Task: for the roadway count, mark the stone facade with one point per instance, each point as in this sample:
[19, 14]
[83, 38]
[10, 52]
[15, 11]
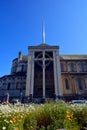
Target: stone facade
[14, 84]
[74, 75]
[44, 73]
[43, 62]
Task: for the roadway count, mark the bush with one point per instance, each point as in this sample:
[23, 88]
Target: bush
[49, 116]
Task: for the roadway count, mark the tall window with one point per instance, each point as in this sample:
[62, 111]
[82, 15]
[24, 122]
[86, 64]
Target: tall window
[80, 84]
[18, 85]
[22, 68]
[8, 87]
[23, 85]
[62, 67]
[71, 67]
[81, 67]
[67, 83]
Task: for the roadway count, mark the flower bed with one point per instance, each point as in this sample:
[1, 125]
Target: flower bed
[51, 116]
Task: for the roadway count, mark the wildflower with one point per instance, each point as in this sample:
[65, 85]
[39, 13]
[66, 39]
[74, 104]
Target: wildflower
[69, 115]
[3, 128]
[14, 120]
[67, 112]
[19, 120]
[11, 121]
[30, 112]
[31, 127]
[6, 121]
[16, 129]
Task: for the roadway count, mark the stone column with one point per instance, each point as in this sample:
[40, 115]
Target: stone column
[60, 89]
[43, 74]
[55, 74]
[28, 79]
[77, 67]
[32, 75]
[74, 84]
[86, 82]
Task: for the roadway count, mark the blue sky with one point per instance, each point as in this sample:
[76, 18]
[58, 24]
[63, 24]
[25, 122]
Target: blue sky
[21, 26]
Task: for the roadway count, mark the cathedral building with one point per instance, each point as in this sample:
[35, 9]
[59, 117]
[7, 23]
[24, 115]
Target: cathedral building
[45, 74]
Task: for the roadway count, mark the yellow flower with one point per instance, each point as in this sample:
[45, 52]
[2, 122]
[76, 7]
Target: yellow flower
[14, 120]
[67, 112]
[31, 127]
[16, 129]
[69, 115]
[19, 120]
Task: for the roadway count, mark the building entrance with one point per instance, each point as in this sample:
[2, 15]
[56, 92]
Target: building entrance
[43, 74]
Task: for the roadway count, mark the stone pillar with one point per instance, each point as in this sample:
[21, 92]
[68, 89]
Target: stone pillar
[28, 79]
[55, 74]
[77, 67]
[86, 82]
[74, 84]
[60, 89]
[43, 74]
[32, 75]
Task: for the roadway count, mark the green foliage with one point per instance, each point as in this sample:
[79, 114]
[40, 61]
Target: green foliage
[71, 124]
[29, 122]
[81, 115]
[49, 116]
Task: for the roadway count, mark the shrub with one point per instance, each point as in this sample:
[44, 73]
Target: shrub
[49, 116]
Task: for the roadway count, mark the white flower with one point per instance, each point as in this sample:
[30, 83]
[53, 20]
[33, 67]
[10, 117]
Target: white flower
[11, 121]
[3, 128]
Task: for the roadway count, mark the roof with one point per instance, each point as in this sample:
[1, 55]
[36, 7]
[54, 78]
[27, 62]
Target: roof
[73, 57]
[43, 46]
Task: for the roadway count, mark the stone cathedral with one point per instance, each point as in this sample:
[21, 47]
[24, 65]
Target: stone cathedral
[45, 74]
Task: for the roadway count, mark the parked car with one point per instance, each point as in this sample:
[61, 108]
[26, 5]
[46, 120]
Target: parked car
[78, 102]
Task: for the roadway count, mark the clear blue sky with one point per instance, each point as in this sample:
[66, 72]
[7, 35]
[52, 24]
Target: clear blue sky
[21, 26]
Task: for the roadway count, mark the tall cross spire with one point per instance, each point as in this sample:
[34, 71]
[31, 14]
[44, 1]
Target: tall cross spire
[43, 33]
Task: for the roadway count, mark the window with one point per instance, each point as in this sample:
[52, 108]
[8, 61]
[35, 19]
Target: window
[38, 54]
[80, 84]
[25, 68]
[8, 87]
[71, 67]
[22, 68]
[18, 85]
[81, 66]
[67, 83]
[23, 85]
[49, 54]
[62, 67]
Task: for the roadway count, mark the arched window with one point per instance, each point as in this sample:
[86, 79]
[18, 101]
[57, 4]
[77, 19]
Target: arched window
[8, 87]
[22, 68]
[18, 85]
[71, 67]
[67, 83]
[80, 84]
[25, 68]
[81, 66]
